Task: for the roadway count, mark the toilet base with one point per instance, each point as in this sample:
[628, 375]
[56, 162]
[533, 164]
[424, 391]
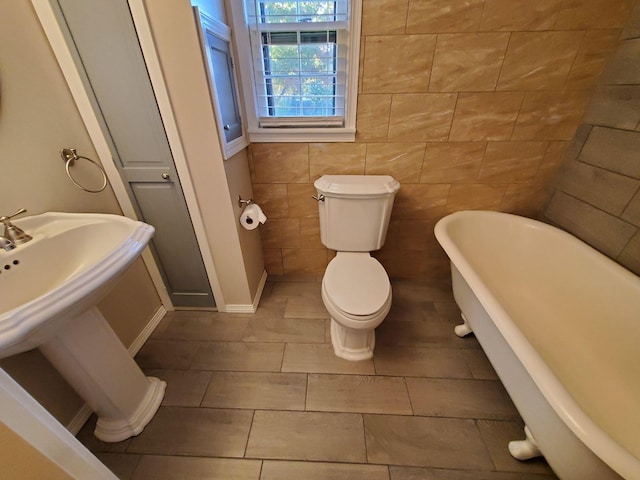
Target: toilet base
[350, 344]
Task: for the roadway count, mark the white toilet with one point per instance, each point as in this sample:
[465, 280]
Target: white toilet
[354, 216]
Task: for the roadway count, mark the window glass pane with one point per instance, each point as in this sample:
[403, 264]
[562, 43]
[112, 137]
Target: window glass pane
[278, 12]
[282, 60]
[287, 106]
[318, 59]
[300, 73]
[318, 96]
[285, 87]
[273, 11]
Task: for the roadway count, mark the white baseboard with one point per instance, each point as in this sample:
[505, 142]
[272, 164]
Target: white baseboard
[146, 332]
[246, 308]
[81, 417]
[263, 281]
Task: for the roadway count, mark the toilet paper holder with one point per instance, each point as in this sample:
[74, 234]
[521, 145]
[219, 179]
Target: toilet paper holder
[242, 202]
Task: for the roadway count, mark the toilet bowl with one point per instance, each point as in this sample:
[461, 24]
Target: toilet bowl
[357, 294]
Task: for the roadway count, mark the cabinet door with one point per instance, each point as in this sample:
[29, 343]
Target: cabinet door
[221, 71]
[215, 43]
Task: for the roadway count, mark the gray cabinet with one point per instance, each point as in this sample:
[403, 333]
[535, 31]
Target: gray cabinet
[215, 40]
[103, 37]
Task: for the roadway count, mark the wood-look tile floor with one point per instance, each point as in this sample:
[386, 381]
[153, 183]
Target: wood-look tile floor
[263, 397]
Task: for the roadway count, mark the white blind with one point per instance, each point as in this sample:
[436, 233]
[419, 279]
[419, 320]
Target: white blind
[299, 58]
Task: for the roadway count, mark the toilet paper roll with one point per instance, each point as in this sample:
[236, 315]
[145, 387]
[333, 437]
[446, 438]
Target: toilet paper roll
[252, 216]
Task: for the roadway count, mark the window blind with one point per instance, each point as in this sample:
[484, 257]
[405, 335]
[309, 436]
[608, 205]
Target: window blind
[299, 58]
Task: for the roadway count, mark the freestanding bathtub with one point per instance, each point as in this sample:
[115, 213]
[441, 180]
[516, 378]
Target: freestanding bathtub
[560, 323]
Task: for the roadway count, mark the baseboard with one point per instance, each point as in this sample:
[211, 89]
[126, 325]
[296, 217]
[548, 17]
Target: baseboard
[246, 308]
[81, 417]
[146, 332]
[263, 282]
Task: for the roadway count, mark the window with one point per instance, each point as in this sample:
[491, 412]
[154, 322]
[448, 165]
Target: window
[299, 67]
[299, 76]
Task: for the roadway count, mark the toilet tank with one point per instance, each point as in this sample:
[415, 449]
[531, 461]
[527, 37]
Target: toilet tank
[355, 210]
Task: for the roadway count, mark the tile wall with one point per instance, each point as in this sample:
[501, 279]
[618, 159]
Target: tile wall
[470, 104]
[597, 190]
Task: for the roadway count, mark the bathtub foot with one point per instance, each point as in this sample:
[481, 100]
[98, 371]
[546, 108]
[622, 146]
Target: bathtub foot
[464, 329]
[524, 449]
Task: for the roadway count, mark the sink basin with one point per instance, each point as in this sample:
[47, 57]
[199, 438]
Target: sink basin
[72, 261]
[48, 290]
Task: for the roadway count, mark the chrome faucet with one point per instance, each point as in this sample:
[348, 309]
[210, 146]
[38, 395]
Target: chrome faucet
[7, 244]
[12, 234]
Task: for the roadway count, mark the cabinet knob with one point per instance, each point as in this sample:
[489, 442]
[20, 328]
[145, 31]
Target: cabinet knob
[165, 176]
[227, 127]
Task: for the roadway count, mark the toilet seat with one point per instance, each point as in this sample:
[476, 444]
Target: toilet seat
[357, 294]
[357, 286]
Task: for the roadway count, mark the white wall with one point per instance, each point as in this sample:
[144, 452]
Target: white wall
[217, 183]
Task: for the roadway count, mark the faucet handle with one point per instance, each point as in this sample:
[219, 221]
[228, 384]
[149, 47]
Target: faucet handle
[13, 233]
[6, 219]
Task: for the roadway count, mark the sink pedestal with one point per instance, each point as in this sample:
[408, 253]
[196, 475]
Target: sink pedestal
[90, 356]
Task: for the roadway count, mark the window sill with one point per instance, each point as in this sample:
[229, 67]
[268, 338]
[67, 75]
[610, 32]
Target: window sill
[265, 135]
[234, 146]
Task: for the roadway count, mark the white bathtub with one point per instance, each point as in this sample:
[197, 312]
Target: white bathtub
[560, 323]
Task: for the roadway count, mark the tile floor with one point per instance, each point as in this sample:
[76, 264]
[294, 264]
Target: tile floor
[263, 397]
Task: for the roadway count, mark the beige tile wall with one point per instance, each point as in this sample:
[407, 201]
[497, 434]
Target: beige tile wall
[470, 104]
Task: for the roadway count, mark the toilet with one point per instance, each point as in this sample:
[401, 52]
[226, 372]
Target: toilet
[354, 216]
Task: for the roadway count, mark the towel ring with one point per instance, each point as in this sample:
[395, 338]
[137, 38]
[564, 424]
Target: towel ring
[69, 156]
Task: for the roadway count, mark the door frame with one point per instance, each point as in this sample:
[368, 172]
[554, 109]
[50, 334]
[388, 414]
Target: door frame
[55, 36]
[31, 422]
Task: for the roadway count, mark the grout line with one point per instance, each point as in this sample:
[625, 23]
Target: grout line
[306, 392]
[406, 18]
[406, 388]
[261, 467]
[135, 469]
[246, 444]
[364, 439]
[635, 194]
[206, 389]
[581, 200]
[284, 348]
[486, 446]
[583, 40]
[506, 50]
[433, 61]
[453, 115]
[515, 122]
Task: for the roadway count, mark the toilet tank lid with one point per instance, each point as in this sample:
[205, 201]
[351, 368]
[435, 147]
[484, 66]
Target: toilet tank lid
[357, 184]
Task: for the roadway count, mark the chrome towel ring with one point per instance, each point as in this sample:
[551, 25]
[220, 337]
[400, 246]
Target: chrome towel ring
[69, 156]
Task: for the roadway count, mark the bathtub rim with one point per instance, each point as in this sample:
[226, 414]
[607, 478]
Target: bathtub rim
[617, 456]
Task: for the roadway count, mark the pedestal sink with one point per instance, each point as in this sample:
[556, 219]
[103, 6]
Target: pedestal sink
[48, 291]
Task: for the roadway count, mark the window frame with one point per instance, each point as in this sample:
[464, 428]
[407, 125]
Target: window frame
[269, 75]
[257, 133]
